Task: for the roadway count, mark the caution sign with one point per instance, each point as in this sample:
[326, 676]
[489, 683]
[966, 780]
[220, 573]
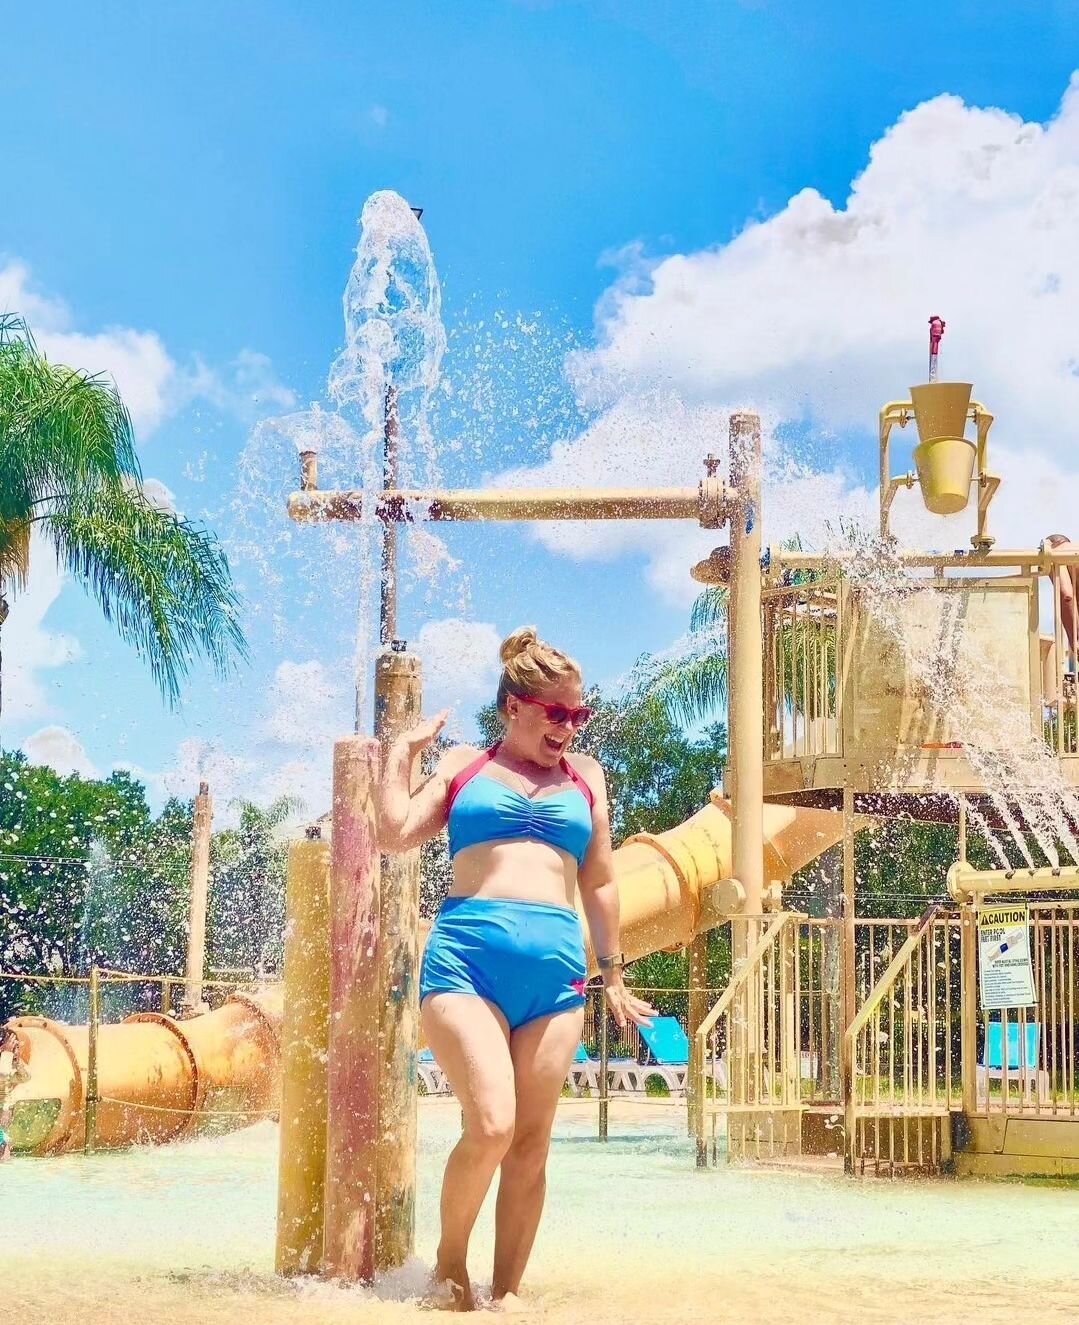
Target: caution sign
[1005, 972]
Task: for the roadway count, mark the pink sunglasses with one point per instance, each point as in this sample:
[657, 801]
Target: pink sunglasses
[558, 713]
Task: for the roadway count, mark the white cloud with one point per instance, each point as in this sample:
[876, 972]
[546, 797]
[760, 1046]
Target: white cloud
[307, 706]
[61, 750]
[258, 776]
[231, 776]
[150, 381]
[291, 753]
[137, 361]
[247, 387]
[818, 315]
[29, 646]
[460, 666]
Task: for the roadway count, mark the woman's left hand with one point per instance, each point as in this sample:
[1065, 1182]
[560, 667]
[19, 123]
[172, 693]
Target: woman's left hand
[626, 1006]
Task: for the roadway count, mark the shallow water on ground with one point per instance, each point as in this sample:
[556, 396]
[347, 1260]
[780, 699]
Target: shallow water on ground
[185, 1233]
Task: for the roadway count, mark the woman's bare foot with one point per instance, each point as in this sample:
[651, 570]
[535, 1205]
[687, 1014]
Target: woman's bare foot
[446, 1294]
[510, 1303]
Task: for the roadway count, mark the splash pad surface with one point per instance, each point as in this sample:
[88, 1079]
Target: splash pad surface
[185, 1233]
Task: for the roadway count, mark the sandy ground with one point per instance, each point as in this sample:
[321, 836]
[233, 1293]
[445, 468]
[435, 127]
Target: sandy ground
[631, 1233]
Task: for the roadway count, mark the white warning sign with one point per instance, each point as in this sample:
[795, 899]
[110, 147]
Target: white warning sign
[1005, 973]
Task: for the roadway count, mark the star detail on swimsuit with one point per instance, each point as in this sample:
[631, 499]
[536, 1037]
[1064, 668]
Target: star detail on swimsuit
[577, 986]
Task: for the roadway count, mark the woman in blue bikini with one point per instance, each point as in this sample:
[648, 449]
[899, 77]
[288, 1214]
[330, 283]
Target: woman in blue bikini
[502, 980]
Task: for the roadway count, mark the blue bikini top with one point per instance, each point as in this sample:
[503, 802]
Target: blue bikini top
[482, 809]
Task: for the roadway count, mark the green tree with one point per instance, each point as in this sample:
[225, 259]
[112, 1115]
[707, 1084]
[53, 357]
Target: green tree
[68, 469]
[246, 920]
[82, 870]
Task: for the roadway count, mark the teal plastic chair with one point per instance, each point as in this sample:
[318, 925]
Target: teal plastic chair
[994, 1056]
[668, 1056]
[1022, 1060]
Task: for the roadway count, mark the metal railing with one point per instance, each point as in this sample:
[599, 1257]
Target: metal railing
[902, 1054]
[745, 1063]
[801, 697]
[809, 630]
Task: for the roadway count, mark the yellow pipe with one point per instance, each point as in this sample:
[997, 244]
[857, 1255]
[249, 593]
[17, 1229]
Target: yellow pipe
[220, 1070]
[664, 879]
[707, 504]
[157, 1079]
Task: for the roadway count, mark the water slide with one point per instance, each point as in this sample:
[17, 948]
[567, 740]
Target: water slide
[160, 1079]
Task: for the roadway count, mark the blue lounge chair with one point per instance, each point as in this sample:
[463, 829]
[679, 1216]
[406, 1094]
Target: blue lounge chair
[584, 1071]
[432, 1076]
[668, 1056]
[1023, 1070]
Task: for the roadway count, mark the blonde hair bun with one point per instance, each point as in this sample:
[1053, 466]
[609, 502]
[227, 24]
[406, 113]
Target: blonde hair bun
[529, 665]
[520, 641]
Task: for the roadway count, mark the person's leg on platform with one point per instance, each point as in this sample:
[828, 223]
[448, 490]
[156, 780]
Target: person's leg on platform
[469, 1038]
[542, 1051]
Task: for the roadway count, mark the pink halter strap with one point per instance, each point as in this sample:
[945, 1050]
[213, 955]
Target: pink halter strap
[469, 772]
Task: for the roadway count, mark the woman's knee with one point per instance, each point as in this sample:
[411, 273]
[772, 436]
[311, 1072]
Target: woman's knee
[491, 1129]
[529, 1148]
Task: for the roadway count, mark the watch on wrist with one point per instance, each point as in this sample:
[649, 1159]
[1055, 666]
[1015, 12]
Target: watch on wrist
[613, 963]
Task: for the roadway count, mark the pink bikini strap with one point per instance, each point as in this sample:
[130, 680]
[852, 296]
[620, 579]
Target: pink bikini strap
[469, 772]
[581, 785]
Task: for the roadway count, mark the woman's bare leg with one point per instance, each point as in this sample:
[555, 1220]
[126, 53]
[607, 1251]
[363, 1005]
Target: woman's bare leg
[470, 1041]
[542, 1051]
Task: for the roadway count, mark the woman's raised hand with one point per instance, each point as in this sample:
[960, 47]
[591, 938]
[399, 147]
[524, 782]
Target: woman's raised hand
[425, 731]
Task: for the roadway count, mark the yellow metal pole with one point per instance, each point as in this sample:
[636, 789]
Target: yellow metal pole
[697, 1011]
[964, 883]
[352, 1056]
[604, 1093]
[847, 975]
[304, 1041]
[388, 613]
[397, 708]
[745, 707]
[968, 1025]
[193, 1004]
[91, 1061]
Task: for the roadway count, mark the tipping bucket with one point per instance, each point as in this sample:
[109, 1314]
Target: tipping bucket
[945, 468]
[940, 409]
[944, 459]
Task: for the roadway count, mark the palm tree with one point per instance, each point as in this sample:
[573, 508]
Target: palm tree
[68, 469]
[692, 686]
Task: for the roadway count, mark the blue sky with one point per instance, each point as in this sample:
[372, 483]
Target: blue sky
[182, 190]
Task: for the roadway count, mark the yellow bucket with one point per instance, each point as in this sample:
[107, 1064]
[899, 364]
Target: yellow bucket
[945, 468]
[940, 409]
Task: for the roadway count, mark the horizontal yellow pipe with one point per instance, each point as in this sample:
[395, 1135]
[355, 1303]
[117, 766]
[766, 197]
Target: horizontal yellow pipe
[965, 883]
[706, 504]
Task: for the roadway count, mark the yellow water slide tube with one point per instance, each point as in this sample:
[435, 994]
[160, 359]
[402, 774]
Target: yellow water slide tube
[160, 1079]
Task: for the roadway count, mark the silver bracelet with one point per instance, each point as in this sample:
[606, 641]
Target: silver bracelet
[611, 963]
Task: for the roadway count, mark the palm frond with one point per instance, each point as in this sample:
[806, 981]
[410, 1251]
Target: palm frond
[685, 690]
[14, 554]
[59, 429]
[163, 581]
[709, 611]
